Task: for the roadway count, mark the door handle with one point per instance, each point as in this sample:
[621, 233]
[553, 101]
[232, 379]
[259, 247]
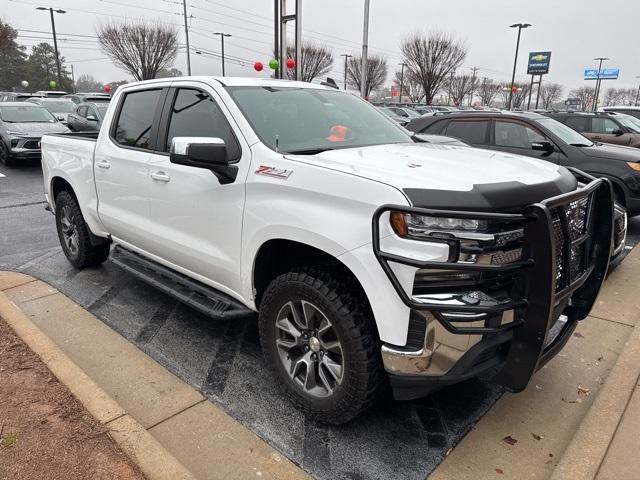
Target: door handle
[160, 176]
[103, 164]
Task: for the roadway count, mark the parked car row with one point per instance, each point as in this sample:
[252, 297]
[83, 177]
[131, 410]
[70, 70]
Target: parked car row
[25, 117]
[545, 138]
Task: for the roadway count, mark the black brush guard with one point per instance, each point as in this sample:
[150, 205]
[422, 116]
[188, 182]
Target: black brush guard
[546, 293]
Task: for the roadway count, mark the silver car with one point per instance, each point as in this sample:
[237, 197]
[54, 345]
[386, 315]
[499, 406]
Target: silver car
[58, 107]
[22, 124]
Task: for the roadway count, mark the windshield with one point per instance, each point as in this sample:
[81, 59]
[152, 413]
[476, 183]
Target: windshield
[59, 107]
[309, 120]
[566, 134]
[102, 109]
[411, 113]
[25, 114]
[630, 122]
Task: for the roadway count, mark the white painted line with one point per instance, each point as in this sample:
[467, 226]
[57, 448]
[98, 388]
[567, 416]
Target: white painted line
[1, 175]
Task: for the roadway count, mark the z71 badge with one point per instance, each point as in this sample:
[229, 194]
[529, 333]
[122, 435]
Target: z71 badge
[281, 173]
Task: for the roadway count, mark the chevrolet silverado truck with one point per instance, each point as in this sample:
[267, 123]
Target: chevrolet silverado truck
[372, 259]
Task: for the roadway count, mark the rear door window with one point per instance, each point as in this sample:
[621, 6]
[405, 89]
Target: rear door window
[579, 124]
[82, 112]
[471, 131]
[135, 121]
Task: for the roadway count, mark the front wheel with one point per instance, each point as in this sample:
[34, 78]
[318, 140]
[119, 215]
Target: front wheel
[74, 235]
[319, 341]
[5, 157]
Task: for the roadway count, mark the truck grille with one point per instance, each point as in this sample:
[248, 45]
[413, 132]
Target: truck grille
[570, 223]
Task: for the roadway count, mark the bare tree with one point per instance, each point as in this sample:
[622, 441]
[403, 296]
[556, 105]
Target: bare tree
[315, 61]
[550, 93]
[376, 72]
[432, 57]
[411, 85]
[488, 91]
[459, 87]
[519, 95]
[620, 96]
[139, 48]
[87, 83]
[585, 95]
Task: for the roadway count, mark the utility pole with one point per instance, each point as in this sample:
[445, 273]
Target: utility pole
[365, 51]
[222, 35]
[186, 36]
[402, 79]
[73, 80]
[473, 84]
[346, 58]
[519, 26]
[483, 91]
[453, 72]
[55, 39]
[598, 82]
[638, 94]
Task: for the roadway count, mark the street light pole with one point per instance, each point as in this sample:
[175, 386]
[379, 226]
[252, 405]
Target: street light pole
[598, 82]
[402, 79]
[222, 35]
[638, 94]
[365, 51]
[55, 39]
[519, 26]
[346, 58]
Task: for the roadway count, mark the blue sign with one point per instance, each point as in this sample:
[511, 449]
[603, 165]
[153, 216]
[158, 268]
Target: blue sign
[538, 63]
[605, 74]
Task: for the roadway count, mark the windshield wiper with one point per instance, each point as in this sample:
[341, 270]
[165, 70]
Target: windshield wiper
[581, 145]
[309, 151]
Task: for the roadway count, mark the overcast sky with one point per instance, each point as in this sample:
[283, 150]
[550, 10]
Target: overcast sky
[574, 30]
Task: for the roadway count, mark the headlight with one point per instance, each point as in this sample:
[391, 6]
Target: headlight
[634, 165]
[412, 225]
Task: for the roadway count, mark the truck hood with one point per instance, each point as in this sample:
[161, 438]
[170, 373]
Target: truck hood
[434, 167]
[36, 129]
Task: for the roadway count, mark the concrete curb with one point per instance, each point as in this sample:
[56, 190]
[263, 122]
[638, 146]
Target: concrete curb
[585, 454]
[143, 449]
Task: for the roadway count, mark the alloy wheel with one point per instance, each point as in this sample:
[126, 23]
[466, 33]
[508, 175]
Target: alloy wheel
[69, 230]
[309, 348]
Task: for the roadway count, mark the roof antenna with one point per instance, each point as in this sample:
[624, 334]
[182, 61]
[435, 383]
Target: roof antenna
[277, 142]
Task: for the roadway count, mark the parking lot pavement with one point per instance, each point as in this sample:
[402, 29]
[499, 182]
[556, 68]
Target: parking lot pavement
[223, 360]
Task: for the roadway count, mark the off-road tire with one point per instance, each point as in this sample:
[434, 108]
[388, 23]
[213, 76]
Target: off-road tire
[87, 254]
[5, 158]
[363, 376]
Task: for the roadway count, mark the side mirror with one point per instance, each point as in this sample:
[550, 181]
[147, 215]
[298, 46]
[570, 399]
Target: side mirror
[203, 152]
[91, 118]
[619, 132]
[542, 146]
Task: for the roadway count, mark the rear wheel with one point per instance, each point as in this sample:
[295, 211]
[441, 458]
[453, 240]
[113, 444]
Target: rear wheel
[74, 235]
[318, 339]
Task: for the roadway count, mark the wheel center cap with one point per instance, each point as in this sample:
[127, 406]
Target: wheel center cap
[314, 344]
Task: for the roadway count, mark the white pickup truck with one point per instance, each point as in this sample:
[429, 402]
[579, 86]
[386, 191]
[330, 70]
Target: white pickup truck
[371, 259]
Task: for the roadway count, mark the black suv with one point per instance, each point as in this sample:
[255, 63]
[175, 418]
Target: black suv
[542, 137]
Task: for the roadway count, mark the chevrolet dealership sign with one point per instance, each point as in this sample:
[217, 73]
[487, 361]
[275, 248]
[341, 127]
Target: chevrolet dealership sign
[539, 63]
